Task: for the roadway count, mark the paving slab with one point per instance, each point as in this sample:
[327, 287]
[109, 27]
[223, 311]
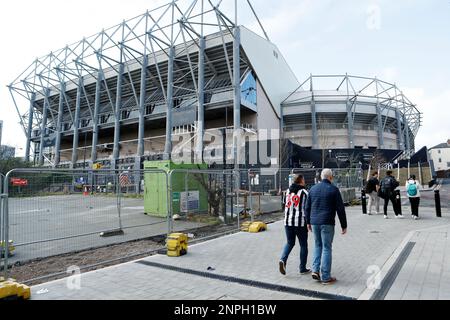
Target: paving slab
[370, 242]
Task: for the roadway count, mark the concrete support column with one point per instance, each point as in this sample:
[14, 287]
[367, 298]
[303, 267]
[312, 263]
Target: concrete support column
[59, 123]
[76, 122]
[117, 114]
[98, 88]
[140, 149]
[237, 99]
[168, 145]
[400, 140]
[315, 144]
[30, 127]
[43, 127]
[407, 137]
[380, 127]
[351, 142]
[201, 101]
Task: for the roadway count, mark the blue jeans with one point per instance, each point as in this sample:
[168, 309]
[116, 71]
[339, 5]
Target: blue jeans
[323, 237]
[302, 234]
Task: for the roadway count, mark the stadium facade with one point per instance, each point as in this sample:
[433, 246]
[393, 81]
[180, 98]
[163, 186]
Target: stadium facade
[186, 79]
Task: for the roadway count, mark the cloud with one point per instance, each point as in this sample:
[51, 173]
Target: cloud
[389, 74]
[436, 114]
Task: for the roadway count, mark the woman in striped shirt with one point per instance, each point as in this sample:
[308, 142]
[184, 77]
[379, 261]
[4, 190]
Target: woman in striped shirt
[294, 222]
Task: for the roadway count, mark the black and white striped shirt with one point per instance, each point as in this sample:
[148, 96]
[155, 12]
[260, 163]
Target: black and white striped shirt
[294, 208]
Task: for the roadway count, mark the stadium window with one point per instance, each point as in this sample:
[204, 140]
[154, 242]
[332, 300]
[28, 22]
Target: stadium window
[440, 160]
[248, 89]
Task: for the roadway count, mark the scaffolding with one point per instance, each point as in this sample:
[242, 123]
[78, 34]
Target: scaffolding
[145, 67]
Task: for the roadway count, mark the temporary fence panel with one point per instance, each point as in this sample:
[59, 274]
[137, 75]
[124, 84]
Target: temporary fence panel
[53, 212]
[204, 202]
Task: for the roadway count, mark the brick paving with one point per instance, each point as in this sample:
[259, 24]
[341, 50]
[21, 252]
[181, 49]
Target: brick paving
[370, 241]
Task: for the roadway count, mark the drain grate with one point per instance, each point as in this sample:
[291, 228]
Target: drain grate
[251, 283]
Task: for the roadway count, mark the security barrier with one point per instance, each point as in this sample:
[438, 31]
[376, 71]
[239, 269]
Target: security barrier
[52, 212]
[177, 244]
[253, 227]
[10, 289]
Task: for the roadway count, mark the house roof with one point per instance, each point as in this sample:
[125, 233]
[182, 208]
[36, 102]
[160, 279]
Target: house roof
[441, 146]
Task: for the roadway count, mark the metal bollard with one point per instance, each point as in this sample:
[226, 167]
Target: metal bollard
[437, 202]
[364, 201]
[398, 201]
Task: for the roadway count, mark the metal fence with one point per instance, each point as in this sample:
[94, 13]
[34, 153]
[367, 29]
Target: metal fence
[48, 213]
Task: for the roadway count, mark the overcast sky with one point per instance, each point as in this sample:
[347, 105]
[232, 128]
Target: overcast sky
[402, 41]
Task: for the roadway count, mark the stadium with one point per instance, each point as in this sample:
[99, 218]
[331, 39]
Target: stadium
[186, 78]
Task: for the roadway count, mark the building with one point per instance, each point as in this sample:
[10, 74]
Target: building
[1, 130]
[345, 112]
[440, 155]
[200, 87]
[6, 152]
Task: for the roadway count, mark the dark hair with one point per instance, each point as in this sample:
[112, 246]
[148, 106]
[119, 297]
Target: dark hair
[298, 179]
[375, 173]
[413, 176]
[389, 172]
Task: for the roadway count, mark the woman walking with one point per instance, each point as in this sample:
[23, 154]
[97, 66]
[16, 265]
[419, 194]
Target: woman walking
[294, 222]
[413, 192]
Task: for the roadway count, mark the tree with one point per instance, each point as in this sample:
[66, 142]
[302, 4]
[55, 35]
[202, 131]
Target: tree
[8, 164]
[215, 190]
[324, 138]
[378, 159]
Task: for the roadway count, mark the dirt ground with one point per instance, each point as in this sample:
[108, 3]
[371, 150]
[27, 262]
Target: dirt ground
[51, 268]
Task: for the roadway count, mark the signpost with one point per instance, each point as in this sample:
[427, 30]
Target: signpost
[19, 182]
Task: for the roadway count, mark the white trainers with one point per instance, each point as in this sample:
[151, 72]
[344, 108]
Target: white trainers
[416, 218]
[399, 216]
[385, 216]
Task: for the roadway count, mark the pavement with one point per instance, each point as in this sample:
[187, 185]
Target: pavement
[244, 266]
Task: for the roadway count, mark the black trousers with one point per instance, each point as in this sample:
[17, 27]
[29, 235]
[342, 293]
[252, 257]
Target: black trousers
[415, 205]
[387, 198]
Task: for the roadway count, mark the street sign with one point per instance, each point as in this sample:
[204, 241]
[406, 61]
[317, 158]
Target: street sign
[189, 201]
[19, 182]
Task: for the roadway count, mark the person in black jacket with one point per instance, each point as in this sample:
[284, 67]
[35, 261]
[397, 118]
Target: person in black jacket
[295, 225]
[387, 188]
[323, 202]
[372, 187]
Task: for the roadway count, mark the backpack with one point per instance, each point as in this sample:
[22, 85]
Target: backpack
[412, 189]
[387, 185]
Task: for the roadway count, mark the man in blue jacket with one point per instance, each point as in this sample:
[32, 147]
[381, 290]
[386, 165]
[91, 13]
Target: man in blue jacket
[323, 202]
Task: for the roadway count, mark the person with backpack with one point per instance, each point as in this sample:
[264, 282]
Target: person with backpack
[412, 191]
[295, 224]
[387, 192]
[372, 191]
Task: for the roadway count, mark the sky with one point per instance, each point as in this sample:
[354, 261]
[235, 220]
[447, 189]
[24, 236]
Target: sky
[406, 42]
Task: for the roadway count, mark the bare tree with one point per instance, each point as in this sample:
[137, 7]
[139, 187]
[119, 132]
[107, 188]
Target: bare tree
[324, 137]
[378, 159]
[215, 190]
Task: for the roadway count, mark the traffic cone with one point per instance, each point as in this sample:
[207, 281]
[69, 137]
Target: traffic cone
[85, 192]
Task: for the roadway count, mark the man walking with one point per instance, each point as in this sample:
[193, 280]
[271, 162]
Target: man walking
[323, 202]
[372, 188]
[294, 224]
[387, 192]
